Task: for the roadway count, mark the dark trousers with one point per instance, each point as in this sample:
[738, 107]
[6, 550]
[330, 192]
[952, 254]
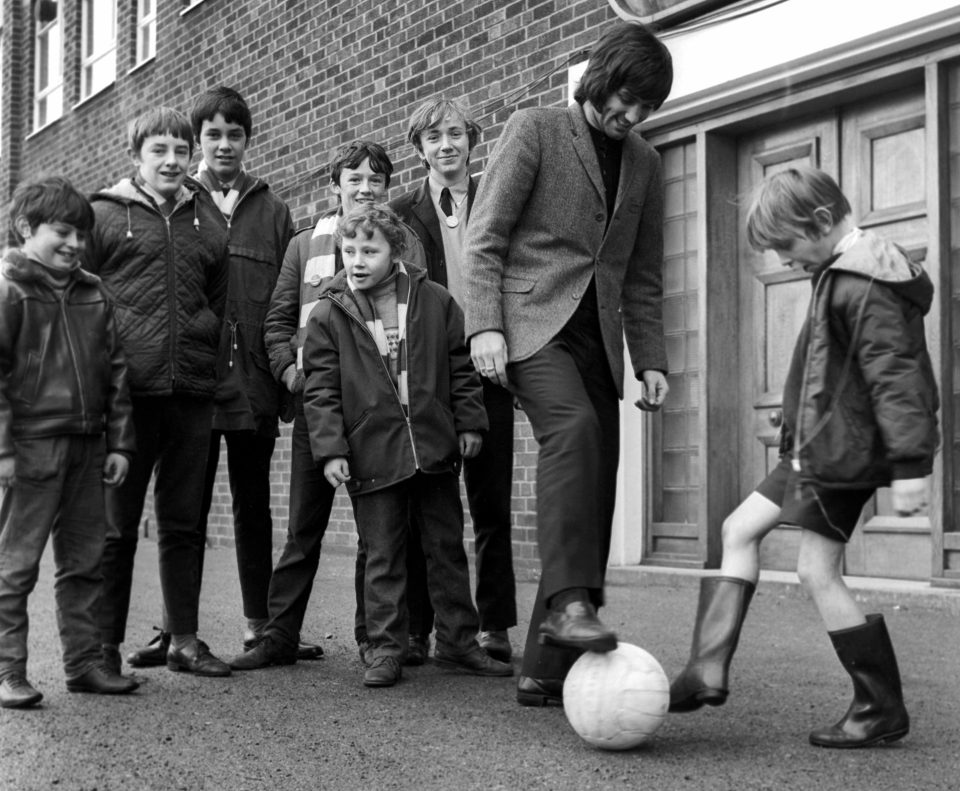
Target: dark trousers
[570, 397]
[433, 502]
[173, 439]
[489, 481]
[58, 491]
[248, 467]
[311, 499]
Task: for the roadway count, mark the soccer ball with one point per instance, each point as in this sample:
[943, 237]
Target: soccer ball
[616, 700]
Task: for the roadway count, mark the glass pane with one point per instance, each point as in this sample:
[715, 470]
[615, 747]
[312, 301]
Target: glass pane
[898, 169]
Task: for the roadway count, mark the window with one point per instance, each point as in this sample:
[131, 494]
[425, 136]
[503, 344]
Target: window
[48, 65]
[146, 30]
[99, 46]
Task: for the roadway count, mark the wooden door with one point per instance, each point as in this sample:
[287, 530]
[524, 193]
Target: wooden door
[876, 152]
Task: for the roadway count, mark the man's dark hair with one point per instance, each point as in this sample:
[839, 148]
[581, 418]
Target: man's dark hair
[225, 101]
[351, 156]
[50, 200]
[628, 58]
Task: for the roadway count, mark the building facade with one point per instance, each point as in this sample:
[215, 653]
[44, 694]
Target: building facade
[867, 91]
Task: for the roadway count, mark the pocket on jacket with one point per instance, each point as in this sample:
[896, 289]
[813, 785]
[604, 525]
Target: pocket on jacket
[516, 285]
[253, 273]
[30, 381]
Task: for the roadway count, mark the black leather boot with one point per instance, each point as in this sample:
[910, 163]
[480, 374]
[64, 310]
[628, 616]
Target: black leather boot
[720, 613]
[877, 713]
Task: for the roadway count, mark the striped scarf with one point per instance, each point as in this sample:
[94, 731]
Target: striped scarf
[384, 311]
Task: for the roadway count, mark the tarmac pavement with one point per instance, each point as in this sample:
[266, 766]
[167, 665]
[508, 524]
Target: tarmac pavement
[314, 725]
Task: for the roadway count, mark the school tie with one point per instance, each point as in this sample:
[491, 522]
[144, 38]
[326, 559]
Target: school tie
[446, 203]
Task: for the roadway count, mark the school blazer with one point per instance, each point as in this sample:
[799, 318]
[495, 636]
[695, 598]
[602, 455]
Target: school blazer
[538, 233]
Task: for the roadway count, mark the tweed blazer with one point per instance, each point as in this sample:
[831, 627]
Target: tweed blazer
[538, 233]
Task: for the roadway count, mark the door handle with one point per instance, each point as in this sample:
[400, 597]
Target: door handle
[775, 417]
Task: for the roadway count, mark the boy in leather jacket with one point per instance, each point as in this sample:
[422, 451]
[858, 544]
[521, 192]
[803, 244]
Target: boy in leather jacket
[65, 431]
[860, 412]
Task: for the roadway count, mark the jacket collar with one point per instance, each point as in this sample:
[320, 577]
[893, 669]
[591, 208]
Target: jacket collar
[16, 266]
[583, 145]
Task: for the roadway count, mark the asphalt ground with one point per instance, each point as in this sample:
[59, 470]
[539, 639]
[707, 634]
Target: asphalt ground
[314, 725]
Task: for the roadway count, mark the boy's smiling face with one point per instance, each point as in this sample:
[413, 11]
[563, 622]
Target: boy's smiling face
[55, 245]
[162, 163]
[367, 260]
[223, 144]
[360, 185]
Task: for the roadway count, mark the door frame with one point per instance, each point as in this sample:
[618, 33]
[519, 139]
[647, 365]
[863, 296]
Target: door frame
[715, 139]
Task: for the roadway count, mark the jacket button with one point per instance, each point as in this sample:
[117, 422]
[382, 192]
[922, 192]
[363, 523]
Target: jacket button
[599, 217]
[575, 297]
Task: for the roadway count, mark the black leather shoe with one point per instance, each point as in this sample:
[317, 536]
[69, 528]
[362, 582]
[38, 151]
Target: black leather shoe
[111, 658]
[266, 653]
[101, 680]
[539, 691]
[475, 661]
[384, 671]
[196, 659]
[154, 654]
[418, 649]
[305, 650]
[17, 693]
[577, 626]
[496, 644]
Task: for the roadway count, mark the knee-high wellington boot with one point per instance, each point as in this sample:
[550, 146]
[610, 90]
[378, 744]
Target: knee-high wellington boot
[877, 713]
[720, 613]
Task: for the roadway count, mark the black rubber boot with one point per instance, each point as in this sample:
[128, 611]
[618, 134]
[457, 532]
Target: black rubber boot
[877, 713]
[720, 613]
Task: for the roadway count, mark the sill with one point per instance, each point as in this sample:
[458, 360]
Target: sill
[87, 99]
[193, 4]
[141, 65]
[43, 128]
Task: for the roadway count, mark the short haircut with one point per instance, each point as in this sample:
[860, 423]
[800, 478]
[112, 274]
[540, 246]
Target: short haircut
[783, 209]
[630, 58]
[432, 112]
[367, 218]
[159, 121]
[50, 200]
[351, 156]
[225, 101]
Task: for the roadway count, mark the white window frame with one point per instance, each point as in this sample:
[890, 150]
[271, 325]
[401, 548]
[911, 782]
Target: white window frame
[98, 46]
[48, 99]
[146, 30]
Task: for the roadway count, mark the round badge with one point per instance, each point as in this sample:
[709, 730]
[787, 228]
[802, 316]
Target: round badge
[452, 221]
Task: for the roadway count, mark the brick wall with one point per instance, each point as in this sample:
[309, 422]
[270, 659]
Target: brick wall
[316, 74]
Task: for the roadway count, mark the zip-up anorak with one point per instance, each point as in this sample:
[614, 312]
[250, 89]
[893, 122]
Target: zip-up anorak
[167, 277]
[259, 228]
[860, 400]
[352, 406]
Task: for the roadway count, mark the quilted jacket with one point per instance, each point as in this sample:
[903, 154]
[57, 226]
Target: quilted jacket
[168, 279]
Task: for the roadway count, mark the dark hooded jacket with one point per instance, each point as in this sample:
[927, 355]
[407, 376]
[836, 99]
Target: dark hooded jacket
[167, 277]
[352, 406]
[259, 229]
[860, 400]
[62, 370]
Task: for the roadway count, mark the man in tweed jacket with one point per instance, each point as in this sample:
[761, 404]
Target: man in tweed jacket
[563, 258]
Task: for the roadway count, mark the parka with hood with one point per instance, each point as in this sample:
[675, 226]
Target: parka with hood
[62, 370]
[860, 400]
[352, 406]
[168, 279]
[259, 227]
